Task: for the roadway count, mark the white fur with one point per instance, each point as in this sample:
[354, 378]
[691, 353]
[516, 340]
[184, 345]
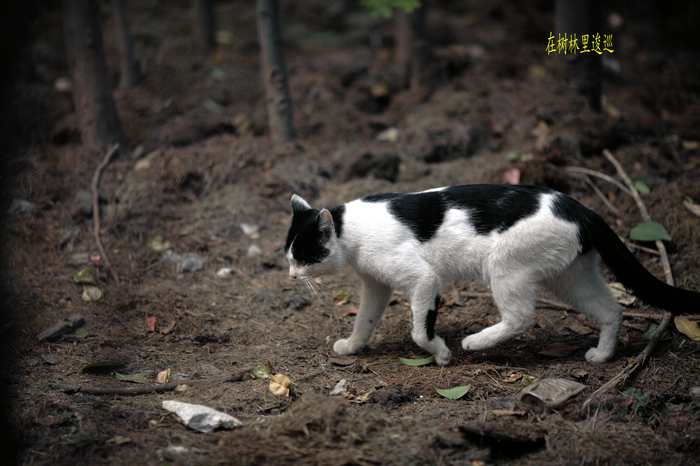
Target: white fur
[540, 249]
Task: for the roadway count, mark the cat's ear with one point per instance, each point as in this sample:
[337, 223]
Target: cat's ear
[299, 204]
[325, 225]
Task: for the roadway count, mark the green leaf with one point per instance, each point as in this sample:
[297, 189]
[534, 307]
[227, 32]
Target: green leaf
[217, 74]
[91, 293]
[641, 187]
[136, 378]
[101, 366]
[84, 276]
[454, 393]
[650, 331]
[418, 362]
[212, 106]
[263, 371]
[649, 231]
[527, 380]
[158, 243]
[82, 332]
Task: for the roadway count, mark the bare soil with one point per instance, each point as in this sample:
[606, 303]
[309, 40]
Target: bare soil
[195, 172]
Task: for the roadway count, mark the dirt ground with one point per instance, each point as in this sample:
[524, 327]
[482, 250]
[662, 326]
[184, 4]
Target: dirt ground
[199, 166]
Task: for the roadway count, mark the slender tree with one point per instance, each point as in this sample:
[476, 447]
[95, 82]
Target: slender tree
[125, 44]
[204, 23]
[94, 105]
[582, 18]
[274, 72]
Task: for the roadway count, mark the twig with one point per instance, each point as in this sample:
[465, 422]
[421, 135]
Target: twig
[642, 357]
[145, 389]
[96, 206]
[645, 213]
[602, 176]
[602, 197]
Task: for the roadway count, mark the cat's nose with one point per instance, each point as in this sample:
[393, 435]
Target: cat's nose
[293, 274]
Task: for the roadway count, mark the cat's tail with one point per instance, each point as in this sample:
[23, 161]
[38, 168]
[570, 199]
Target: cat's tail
[633, 275]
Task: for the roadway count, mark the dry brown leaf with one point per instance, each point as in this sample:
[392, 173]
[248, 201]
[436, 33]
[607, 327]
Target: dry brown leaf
[347, 311]
[280, 384]
[687, 328]
[579, 328]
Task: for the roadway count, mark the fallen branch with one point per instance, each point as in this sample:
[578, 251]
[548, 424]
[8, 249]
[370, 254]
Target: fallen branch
[146, 389]
[642, 357]
[96, 206]
[602, 197]
[602, 176]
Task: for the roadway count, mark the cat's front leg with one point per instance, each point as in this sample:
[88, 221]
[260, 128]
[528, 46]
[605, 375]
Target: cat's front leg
[424, 305]
[373, 302]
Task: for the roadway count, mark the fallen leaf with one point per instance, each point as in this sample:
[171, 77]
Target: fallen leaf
[650, 331]
[579, 373]
[280, 384]
[649, 231]
[119, 440]
[527, 380]
[213, 106]
[50, 358]
[340, 298]
[453, 393]
[217, 73]
[691, 206]
[624, 337]
[84, 276]
[263, 371]
[347, 311]
[163, 376]
[91, 293]
[342, 361]
[641, 187]
[151, 324]
[101, 366]
[549, 393]
[579, 328]
[81, 332]
[514, 377]
[688, 328]
[136, 378]
[620, 294]
[168, 328]
[690, 145]
[180, 389]
[158, 243]
[418, 362]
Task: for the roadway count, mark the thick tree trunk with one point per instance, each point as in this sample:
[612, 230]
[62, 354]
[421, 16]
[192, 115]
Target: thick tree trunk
[125, 44]
[582, 17]
[97, 114]
[204, 23]
[274, 72]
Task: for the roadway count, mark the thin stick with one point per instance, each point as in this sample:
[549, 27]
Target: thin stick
[600, 175]
[642, 357]
[645, 213]
[145, 389]
[96, 206]
[602, 197]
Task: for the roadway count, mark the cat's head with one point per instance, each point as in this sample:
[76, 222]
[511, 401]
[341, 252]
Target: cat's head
[312, 244]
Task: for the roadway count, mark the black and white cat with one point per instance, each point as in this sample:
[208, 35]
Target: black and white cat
[514, 238]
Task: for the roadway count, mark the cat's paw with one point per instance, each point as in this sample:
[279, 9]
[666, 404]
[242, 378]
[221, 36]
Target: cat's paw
[442, 358]
[596, 356]
[344, 347]
[475, 343]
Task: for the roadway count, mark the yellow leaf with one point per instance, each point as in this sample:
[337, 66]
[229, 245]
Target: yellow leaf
[688, 328]
[91, 293]
[279, 384]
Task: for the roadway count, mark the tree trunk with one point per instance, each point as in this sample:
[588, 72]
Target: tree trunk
[411, 53]
[582, 17]
[204, 23]
[125, 44]
[97, 114]
[274, 72]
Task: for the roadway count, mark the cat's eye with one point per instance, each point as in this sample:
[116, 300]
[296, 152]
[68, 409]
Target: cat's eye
[303, 263]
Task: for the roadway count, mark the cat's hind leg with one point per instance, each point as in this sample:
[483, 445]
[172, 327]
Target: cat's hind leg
[425, 299]
[373, 302]
[583, 287]
[514, 295]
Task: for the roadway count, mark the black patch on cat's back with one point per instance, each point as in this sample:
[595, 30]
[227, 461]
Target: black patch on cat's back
[337, 213]
[494, 207]
[423, 212]
[572, 211]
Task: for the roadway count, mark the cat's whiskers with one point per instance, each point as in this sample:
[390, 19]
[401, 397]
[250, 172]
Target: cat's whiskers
[313, 284]
[308, 284]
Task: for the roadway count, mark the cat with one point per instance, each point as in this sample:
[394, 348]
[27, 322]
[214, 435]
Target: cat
[514, 238]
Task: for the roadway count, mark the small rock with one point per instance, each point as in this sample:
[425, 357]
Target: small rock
[22, 208]
[249, 229]
[190, 262]
[253, 251]
[224, 272]
[201, 418]
[340, 389]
